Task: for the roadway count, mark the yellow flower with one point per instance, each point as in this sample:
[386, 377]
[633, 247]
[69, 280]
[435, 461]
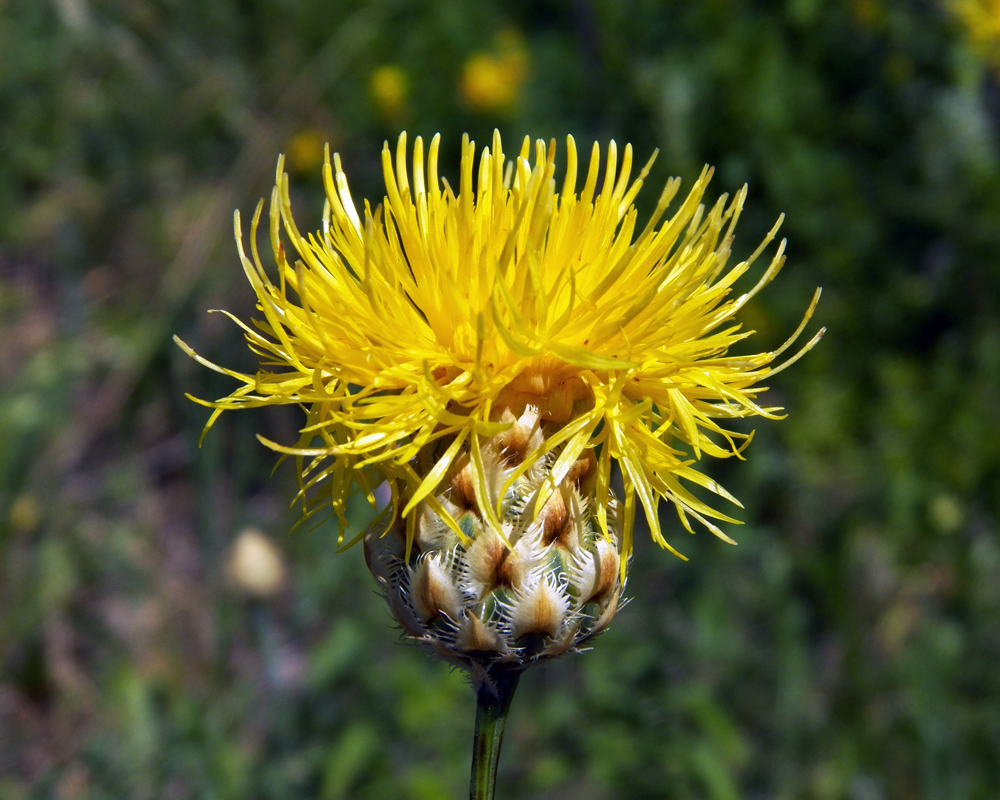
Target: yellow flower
[492, 82]
[982, 21]
[415, 333]
[869, 14]
[389, 88]
[305, 151]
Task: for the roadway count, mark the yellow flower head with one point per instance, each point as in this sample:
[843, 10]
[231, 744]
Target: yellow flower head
[305, 151]
[389, 87]
[434, 317]
[492, 82]
[982, 20]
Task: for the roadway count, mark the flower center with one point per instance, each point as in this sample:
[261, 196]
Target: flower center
[552, 387]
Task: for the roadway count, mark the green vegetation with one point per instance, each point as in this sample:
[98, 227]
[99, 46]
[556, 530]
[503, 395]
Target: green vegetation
[848, 648]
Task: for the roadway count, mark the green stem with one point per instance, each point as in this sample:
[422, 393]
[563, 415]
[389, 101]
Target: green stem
[492, 705]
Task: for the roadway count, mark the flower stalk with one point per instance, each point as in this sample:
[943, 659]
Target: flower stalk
[493, 700]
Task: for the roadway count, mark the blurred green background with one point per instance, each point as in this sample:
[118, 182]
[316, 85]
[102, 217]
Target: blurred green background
[848, 648]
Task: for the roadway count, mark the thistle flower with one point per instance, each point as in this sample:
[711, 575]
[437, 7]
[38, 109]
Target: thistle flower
[489, 354]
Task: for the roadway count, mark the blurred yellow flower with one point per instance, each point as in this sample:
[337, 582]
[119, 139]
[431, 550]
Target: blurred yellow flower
[492, 81]
[982, 23]
[305, 151]
[389, 88]
[869, 14]
[946, 512]
[413, 333]
[25, 514]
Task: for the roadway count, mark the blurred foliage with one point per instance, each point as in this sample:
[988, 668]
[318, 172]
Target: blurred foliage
[846, 649]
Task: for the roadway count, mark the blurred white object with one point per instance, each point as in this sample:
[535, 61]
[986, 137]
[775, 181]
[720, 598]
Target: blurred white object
[255, 564]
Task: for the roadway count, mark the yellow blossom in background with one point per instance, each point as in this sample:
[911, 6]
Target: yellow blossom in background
[25, 514]
[492, 82]
[982, 23]
[869, 14]
[389, 88]
[305, 151]
[415, 332]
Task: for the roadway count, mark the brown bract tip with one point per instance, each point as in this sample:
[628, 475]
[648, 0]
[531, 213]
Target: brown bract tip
[541, 611]
[608, 565]
[555, 519]
[582, 471]
[475, 636]
[463, 492]
[433, 591]
[520, 438]
[490, 562]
